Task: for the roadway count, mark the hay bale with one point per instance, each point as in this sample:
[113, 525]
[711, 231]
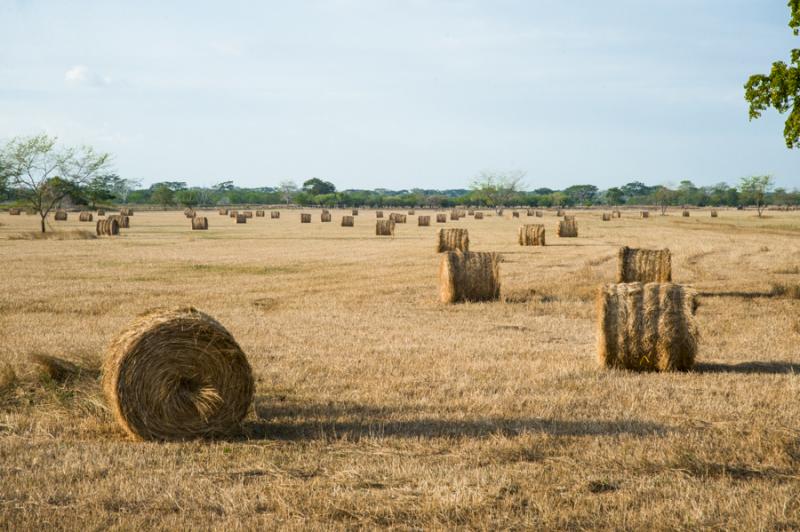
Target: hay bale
[453, 240]
[442, 218]
[378, 214]
[423, 221]
[529, 212]
[101, 212]
[241, 219]
[453, 215]
[685, 213]
[305, 218]
[559, 213]
[127, 211]
[499, 212]
[567, 228]
[515, 214]
[177, 374]
[646, 327]
[260, 213]
[469, 276]
[479, 216]
[61, 215]
[348, 221]
[274, 215]
[14, 212]
[644, 265]
[384, 227]
[233, 214]
[223, 212]
[85, 216]
[108, 226]
[616, 214]
[411, 212]
[538, 214]
[248, 214]
[470, 212]
[199, 223]
[714, 213]
[189, 213]
[645, 214]
[531, 235]
[354, 212]
[397, 218]
[606, 217]
[325, 217]
[122, 221]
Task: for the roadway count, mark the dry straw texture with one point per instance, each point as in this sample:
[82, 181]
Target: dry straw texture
[61, 216]
[223, 212]
[177, 374]
[122, 221]
[305, 218]
[442, 218]
[567, 228]
[644, 265]
[559, 212]
[108, 226]
[478, 216]
[454, 215]
[470, 212]
[378, 214]
[8, 378]
[606, 217]
[646, 327]
[233, 214]
[686, 213]
[423, 220]
[14, 212]
[199, 223]
[384, 227]
[85, 216]
[530, 212]
[531, 235]
[539, 214]
[189, 213]
[397, 218]
[54, 368]
[127, 211]
[515, 214]
[325, 217]
[616, 214]
[469, 276]
[714, 213]
[411, 212]
[354, 212]
[348, 221]
[242, 219]
[274, 215]
[260, 213]
[452, 240]
[645, 214]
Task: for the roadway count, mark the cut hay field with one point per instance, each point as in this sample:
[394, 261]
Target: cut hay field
[379, 407]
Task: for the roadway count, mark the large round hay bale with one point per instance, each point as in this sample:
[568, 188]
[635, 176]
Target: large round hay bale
[61, 215]
[442, 218]
[101, 212]
[85, 216]
[515, 214]
[241, 218]
[454, 215]
[122, 221]
[14, 211]
[378, 214]
[685, 213]
[248, 214]
[384, 227]
[177, 374]
[223, 212]
[531, 235]
[348, 221]
[126, 211]
[325, 217]
[567, 228]
[646, 327]
[452, 240]
[260, 214]
[479, 216]
[108, 226]
[274, 215]
[189, 213]
[305, 218]
[199, 223]
[644, 265]
[423, 221]
[606, 217]
[616, 214]
[538, 214]
[354, 212]
[714, 213]
[645, 214]
[469, 276]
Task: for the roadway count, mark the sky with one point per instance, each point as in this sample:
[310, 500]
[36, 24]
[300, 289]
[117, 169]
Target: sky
[401, 94]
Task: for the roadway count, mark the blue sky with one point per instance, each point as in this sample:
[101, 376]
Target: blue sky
[401, 94]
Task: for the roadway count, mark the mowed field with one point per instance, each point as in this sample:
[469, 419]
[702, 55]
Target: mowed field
[376, 406]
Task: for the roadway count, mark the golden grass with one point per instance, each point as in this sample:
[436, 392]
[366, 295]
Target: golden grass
[378, 407]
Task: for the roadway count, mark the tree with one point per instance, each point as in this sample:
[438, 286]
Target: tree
[189, 198]
[287, 189]
[581, 194]
[121, 188]
[497, 188]
[44, 174]
[780, 89]
[315, 187]
[100, 188]
[664, 198]
[224, 186]
[754, 190]
[163, 195]
[614, 196]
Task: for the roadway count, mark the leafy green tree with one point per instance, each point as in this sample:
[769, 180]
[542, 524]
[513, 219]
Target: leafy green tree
[287, 190]
[497, 188]
[614, 196]
[664, 197]
[163, 195]
[100, 188]
[634, 191]
[780, 89]
[581, 194]
[754, 190]
[121, 188]
[44, 174]
[224, 186]
[315, 187]
[189, 198]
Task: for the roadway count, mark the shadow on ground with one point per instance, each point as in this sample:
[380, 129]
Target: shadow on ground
[768, 367]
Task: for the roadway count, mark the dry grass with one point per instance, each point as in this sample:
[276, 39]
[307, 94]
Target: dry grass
[378, 407]
[70, 234]
[644, 265]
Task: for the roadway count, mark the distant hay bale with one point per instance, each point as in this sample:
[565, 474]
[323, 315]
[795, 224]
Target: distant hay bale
[470, 212]
[177, 374]
[223, 212]
[305, 218]
[538, 214]
[378, 214]
[644, 265]
[714, 213]
[606, 217]
[85, 216]
[122, 221]
[199, 223]
[384, 227]
[189, 213]
[685, 213]
[348, 221]
[499, 212]
[260, 213]
[101, 212]
[233, 214]
[569, 217]
[354, 212]
[274, 215]
[241, 219]
[645, 214]
[616, 214]
[61, 215]
[108, 226]
[411, 212]
[529, 212]
[559, 213]
[452, 240]
[646, 327]
[478, 216]
[248, 214]
[325, 217]
[14, 211]
[453, 215]
[423, 221]
[325, 211]
[127, 211]
[567, 228]
[442, 218]
[469, 276]
[397, 218]
[54, 368]
[531, 235]
[515, 214]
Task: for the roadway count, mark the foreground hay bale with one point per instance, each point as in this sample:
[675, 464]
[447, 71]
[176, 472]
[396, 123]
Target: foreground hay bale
[123, 221]
[384, 227]
[685, 213]
[646, 327]
[223, 212]
[378, 214]
[423, 221]
[274, 215]
[714, 213]
[108, 226]
[189, 213]
[567, 228]
[348, 221]
[61, 215]
[645, 214]
[241, 219]
[14, 212]
[325, 217]
[177, 374]
[531, 235]
[606, 217]
[453, 240]
[644, 265]
[478, 216]
[305, 218]
[442, 218]
[85, 216]
[469, 276]
[199, 223]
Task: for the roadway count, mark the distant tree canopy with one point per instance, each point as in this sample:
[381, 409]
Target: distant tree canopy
[316, 187]
[780, 89]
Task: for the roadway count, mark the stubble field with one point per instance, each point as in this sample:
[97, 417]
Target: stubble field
[377, 406]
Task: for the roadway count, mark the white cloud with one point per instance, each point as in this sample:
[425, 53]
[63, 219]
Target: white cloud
[82, 75]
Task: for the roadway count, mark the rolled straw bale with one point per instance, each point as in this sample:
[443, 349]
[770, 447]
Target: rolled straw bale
[189, 213]
[646, 327]
[538, 214]
[714, 213]
[274, 215]
[685, 213]
[260, 213]
[529, 212]
[442, 218]
[398, 218]
[325, 211]
[127, 211]
[223, 212]
[531, 235]
[567, 228]
[453, 215]
[61, 215]
[101, 212]
[452, 240]
[325, 217]
[559, 212]
[469, 276]
[606, 217]
[411, 212]
[348, 221]
[233, 214]
[248, 214]
[14, 212]
[177, 374]
[423, 221]
[616, 214]
[122, 221]
[644, 265]
[85, 216]
[514, 214]
[305, 218]
[384, 227]
[378, 214]
[470, 212]
[479, 216]
[199, 223]
[241, 219]
[108, 226]
[354, 212]
[645, 214]
[499, 212]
